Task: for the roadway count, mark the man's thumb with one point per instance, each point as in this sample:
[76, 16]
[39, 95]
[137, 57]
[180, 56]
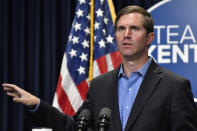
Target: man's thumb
[17, 100]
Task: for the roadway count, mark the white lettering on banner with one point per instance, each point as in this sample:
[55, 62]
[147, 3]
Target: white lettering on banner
[183, 55]
[158, 29]
[195, 52]
[170, 53]
[171, 31]
[189, 30]
[164, 52]
[174, 43]
[170, 34]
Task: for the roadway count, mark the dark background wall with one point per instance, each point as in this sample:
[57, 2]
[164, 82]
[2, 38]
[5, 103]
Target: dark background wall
[33, 35]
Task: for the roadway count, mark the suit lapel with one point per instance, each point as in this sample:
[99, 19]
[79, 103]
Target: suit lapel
[113, 90]
[149, 83]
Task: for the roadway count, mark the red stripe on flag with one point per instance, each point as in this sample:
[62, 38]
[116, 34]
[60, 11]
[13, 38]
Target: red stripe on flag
[102, 64]
[63, 100]
[116, 58]
[83, 89]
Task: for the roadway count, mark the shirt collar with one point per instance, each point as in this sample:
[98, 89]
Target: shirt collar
[142, 70]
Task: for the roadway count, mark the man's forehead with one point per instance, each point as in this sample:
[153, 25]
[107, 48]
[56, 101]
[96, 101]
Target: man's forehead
[133, 18]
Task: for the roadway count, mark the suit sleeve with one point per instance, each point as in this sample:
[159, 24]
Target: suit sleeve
[48, 116]
[183, 110]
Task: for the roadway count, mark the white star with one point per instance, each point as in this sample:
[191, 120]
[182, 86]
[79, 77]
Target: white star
[77, 26]
[109, 39]
[81, 70]
[87, 30]
[102, 43]
[96, 25]
[75, 40]
[85, 44]
[79, 13]
[73, 53]
[82, 1]
[83, 57]
[106, 20]
[99, 12]
[88, 17]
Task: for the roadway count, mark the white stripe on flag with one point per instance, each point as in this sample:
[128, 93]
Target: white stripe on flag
[69, 87]
[96, 70]
[55, 102]
[109, 62]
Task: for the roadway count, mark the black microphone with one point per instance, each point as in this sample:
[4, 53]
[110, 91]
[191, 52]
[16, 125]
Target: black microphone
[82, 122]
[104, 118]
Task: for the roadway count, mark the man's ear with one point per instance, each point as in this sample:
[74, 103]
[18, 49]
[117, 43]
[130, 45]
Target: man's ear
[150, 38]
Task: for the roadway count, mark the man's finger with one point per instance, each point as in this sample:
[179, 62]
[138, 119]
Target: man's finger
[12, 94]
[8, 85]
[13, 87]
[8, 89]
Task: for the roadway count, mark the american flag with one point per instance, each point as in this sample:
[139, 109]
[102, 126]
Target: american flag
[73, 81]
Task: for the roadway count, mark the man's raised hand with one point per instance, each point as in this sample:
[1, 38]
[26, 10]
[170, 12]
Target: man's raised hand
[21, 96]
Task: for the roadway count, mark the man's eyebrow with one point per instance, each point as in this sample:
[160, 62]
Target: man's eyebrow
[120, 26]
[135, 26]
[131, 26]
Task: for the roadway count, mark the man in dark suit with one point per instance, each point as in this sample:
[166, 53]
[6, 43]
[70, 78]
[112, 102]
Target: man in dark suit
[142, 95]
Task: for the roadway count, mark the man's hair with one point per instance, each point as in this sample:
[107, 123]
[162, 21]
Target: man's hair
[148, 23]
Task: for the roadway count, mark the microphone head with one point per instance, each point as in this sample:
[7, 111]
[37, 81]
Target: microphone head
[104, 117]
[105, 111]
[85, 113]
[82, 122]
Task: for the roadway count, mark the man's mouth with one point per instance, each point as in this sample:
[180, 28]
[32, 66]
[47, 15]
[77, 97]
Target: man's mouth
[127, 43]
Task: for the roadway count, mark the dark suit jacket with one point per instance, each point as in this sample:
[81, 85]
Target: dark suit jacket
[164, 103]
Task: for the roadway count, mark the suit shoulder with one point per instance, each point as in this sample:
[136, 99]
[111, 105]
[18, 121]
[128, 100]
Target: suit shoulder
[172, 75]
[105, 76]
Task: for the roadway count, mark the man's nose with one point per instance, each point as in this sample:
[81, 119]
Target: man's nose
[127, 33]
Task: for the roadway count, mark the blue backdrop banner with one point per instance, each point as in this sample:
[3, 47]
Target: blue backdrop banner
[175, 46]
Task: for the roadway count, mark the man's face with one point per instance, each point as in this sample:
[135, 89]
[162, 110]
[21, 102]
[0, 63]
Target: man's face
[131, 36]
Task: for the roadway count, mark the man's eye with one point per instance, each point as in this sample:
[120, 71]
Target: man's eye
[135, 28]
[120, 29]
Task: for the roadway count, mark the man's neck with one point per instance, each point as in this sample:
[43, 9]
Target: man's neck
[133, 65]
